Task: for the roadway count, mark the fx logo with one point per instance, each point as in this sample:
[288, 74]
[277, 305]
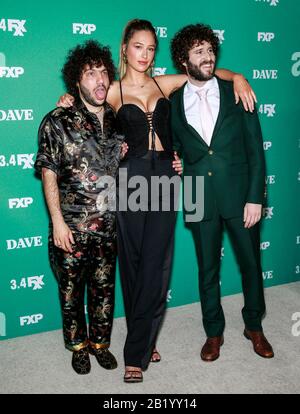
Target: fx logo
[161, 31]
[265, 36]
[220, 34]
[31, 319]
[20, 202]
[159, 71]
[13, 25]
[36, 282]
[296, 325]
[169, 297]
[11, 72]
[268, 109]
[268, 212]
[267, 145]
[296, 66]
[2, 324]
[222, 252]
[26, 160]
[84, 28]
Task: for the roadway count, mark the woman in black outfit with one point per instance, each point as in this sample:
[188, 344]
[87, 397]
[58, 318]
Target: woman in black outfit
[145, 238]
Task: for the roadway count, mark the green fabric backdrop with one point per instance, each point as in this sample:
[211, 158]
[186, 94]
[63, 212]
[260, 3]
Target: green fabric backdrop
[260, 38]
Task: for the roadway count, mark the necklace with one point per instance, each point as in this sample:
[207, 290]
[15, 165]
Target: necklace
[100, 110]
[136, 85]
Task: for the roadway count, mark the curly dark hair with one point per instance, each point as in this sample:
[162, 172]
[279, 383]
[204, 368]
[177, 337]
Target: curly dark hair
[90, 53]
[189, 37]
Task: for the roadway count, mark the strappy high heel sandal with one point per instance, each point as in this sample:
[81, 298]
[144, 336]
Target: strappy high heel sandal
[155, 357]
[131, 375]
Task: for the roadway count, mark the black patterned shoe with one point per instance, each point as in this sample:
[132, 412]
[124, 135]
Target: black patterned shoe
[104, 357]
[81, 361]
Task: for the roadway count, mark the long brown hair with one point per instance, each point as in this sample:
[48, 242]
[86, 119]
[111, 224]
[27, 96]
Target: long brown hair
[131, 28]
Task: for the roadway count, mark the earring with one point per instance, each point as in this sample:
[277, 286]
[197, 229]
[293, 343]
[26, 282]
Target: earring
[125, 58]
[152, 68]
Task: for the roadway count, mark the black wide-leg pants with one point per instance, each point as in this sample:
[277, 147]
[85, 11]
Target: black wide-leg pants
[145, 250]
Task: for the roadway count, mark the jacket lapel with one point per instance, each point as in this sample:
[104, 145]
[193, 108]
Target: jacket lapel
[224, 103]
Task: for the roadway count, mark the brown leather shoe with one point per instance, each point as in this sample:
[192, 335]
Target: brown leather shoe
[260, 344]
[211, 348]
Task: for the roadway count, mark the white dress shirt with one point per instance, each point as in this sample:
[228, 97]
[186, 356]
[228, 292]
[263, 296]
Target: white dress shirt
[192, 103]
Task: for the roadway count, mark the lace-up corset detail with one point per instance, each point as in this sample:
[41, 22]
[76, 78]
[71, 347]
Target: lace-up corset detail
[136, 125]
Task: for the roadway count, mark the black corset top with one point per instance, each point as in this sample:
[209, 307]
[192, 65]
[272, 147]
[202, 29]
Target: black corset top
[136, 124]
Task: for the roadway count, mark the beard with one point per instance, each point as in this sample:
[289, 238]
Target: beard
[196, 72]
[87, 96]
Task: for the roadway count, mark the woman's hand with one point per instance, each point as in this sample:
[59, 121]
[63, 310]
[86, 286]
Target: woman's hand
[66, 101]
[124, 149]
[243, 91]
[177, 164]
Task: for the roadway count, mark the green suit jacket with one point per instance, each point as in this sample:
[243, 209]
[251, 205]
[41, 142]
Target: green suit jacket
[233, 166]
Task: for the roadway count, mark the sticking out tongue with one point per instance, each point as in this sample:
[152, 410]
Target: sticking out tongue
[100, 93]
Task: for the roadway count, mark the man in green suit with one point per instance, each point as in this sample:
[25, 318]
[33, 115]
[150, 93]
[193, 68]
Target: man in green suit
[221, 142]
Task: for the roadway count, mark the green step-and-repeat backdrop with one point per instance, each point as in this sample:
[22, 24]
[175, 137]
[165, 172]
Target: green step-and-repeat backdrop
[259, 38]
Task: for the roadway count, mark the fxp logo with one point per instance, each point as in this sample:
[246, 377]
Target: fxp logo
[83, 28]
[265, 36]
[9, 71]
[23, 202]
[31, 319]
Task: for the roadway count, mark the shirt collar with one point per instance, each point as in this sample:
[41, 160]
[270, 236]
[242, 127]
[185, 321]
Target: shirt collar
[211, 84]
[79, 105]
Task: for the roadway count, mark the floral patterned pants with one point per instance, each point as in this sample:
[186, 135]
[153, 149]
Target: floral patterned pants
[91, 265]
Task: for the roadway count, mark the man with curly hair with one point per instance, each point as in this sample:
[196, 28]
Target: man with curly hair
[78, 157]
[222, 143]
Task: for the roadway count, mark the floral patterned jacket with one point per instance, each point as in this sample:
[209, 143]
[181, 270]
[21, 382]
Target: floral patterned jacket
[86, 160]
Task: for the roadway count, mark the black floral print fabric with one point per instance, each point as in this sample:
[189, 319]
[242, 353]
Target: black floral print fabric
[92, 263]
